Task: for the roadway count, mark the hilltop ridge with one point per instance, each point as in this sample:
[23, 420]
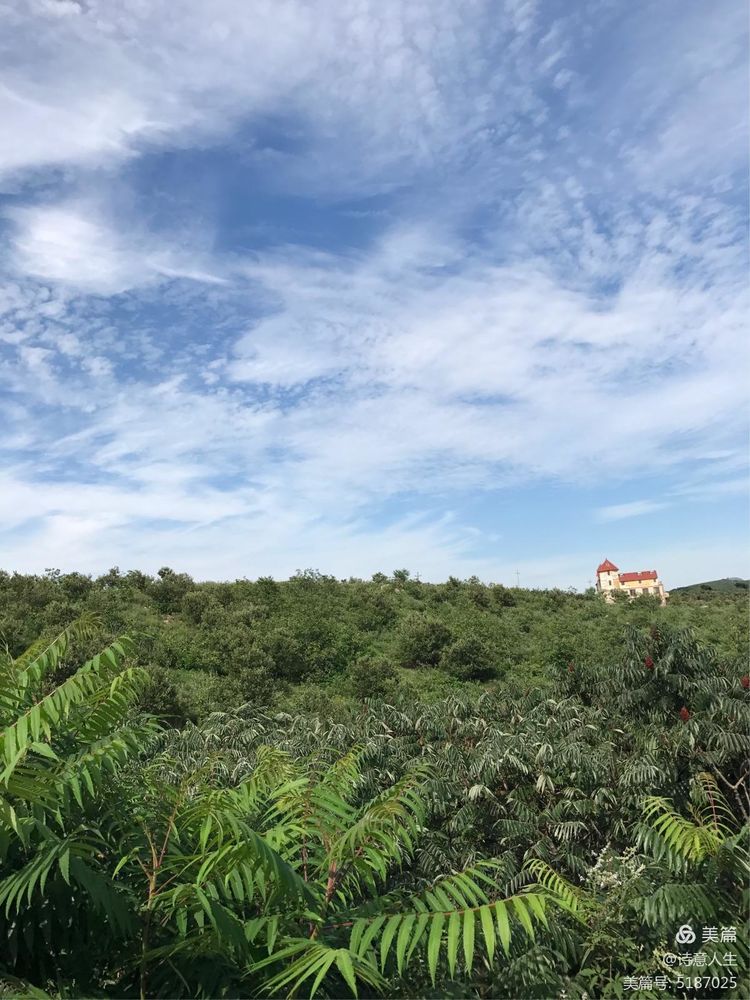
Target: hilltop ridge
[727, 584]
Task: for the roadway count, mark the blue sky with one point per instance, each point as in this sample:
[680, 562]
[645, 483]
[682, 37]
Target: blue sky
[353, 285]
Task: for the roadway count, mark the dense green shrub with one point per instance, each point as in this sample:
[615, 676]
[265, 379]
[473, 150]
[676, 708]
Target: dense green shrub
[373, 677]
[372, 610]
[421, 640]
[169, 589]
[287, 654]
[502, 596]
[470, 659]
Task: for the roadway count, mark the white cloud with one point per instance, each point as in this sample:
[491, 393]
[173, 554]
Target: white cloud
[102, 525]
[376, 92]
[69, 245]
[635, 508]
[73, 244]
[103, 85]
[409, 373]
[493, 370]
[715, 487]
[687, 104]
[276, 538]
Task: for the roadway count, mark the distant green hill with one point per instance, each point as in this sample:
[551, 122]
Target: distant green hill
[730, 584]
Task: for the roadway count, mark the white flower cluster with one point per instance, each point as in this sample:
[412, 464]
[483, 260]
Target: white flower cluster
[613, 870]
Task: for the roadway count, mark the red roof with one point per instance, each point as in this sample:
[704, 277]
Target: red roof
[647, 574]
[606, 567]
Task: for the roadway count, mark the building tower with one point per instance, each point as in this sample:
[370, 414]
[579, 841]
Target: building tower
[607, 579]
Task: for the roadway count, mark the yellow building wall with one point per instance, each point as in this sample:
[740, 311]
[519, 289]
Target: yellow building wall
[609, 583]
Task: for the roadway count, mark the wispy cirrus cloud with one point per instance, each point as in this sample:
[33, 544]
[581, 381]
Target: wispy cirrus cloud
[635, 508]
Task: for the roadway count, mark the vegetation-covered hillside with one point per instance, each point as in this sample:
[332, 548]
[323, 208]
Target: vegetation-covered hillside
[386, 788]
[316, 643]
[727, 585]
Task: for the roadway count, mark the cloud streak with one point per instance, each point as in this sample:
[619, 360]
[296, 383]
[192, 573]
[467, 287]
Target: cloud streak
[636, 508]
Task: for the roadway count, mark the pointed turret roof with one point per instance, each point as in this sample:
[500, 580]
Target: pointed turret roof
[607, 567]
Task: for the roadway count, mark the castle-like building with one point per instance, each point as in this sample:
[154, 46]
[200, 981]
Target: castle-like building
[610, 581]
